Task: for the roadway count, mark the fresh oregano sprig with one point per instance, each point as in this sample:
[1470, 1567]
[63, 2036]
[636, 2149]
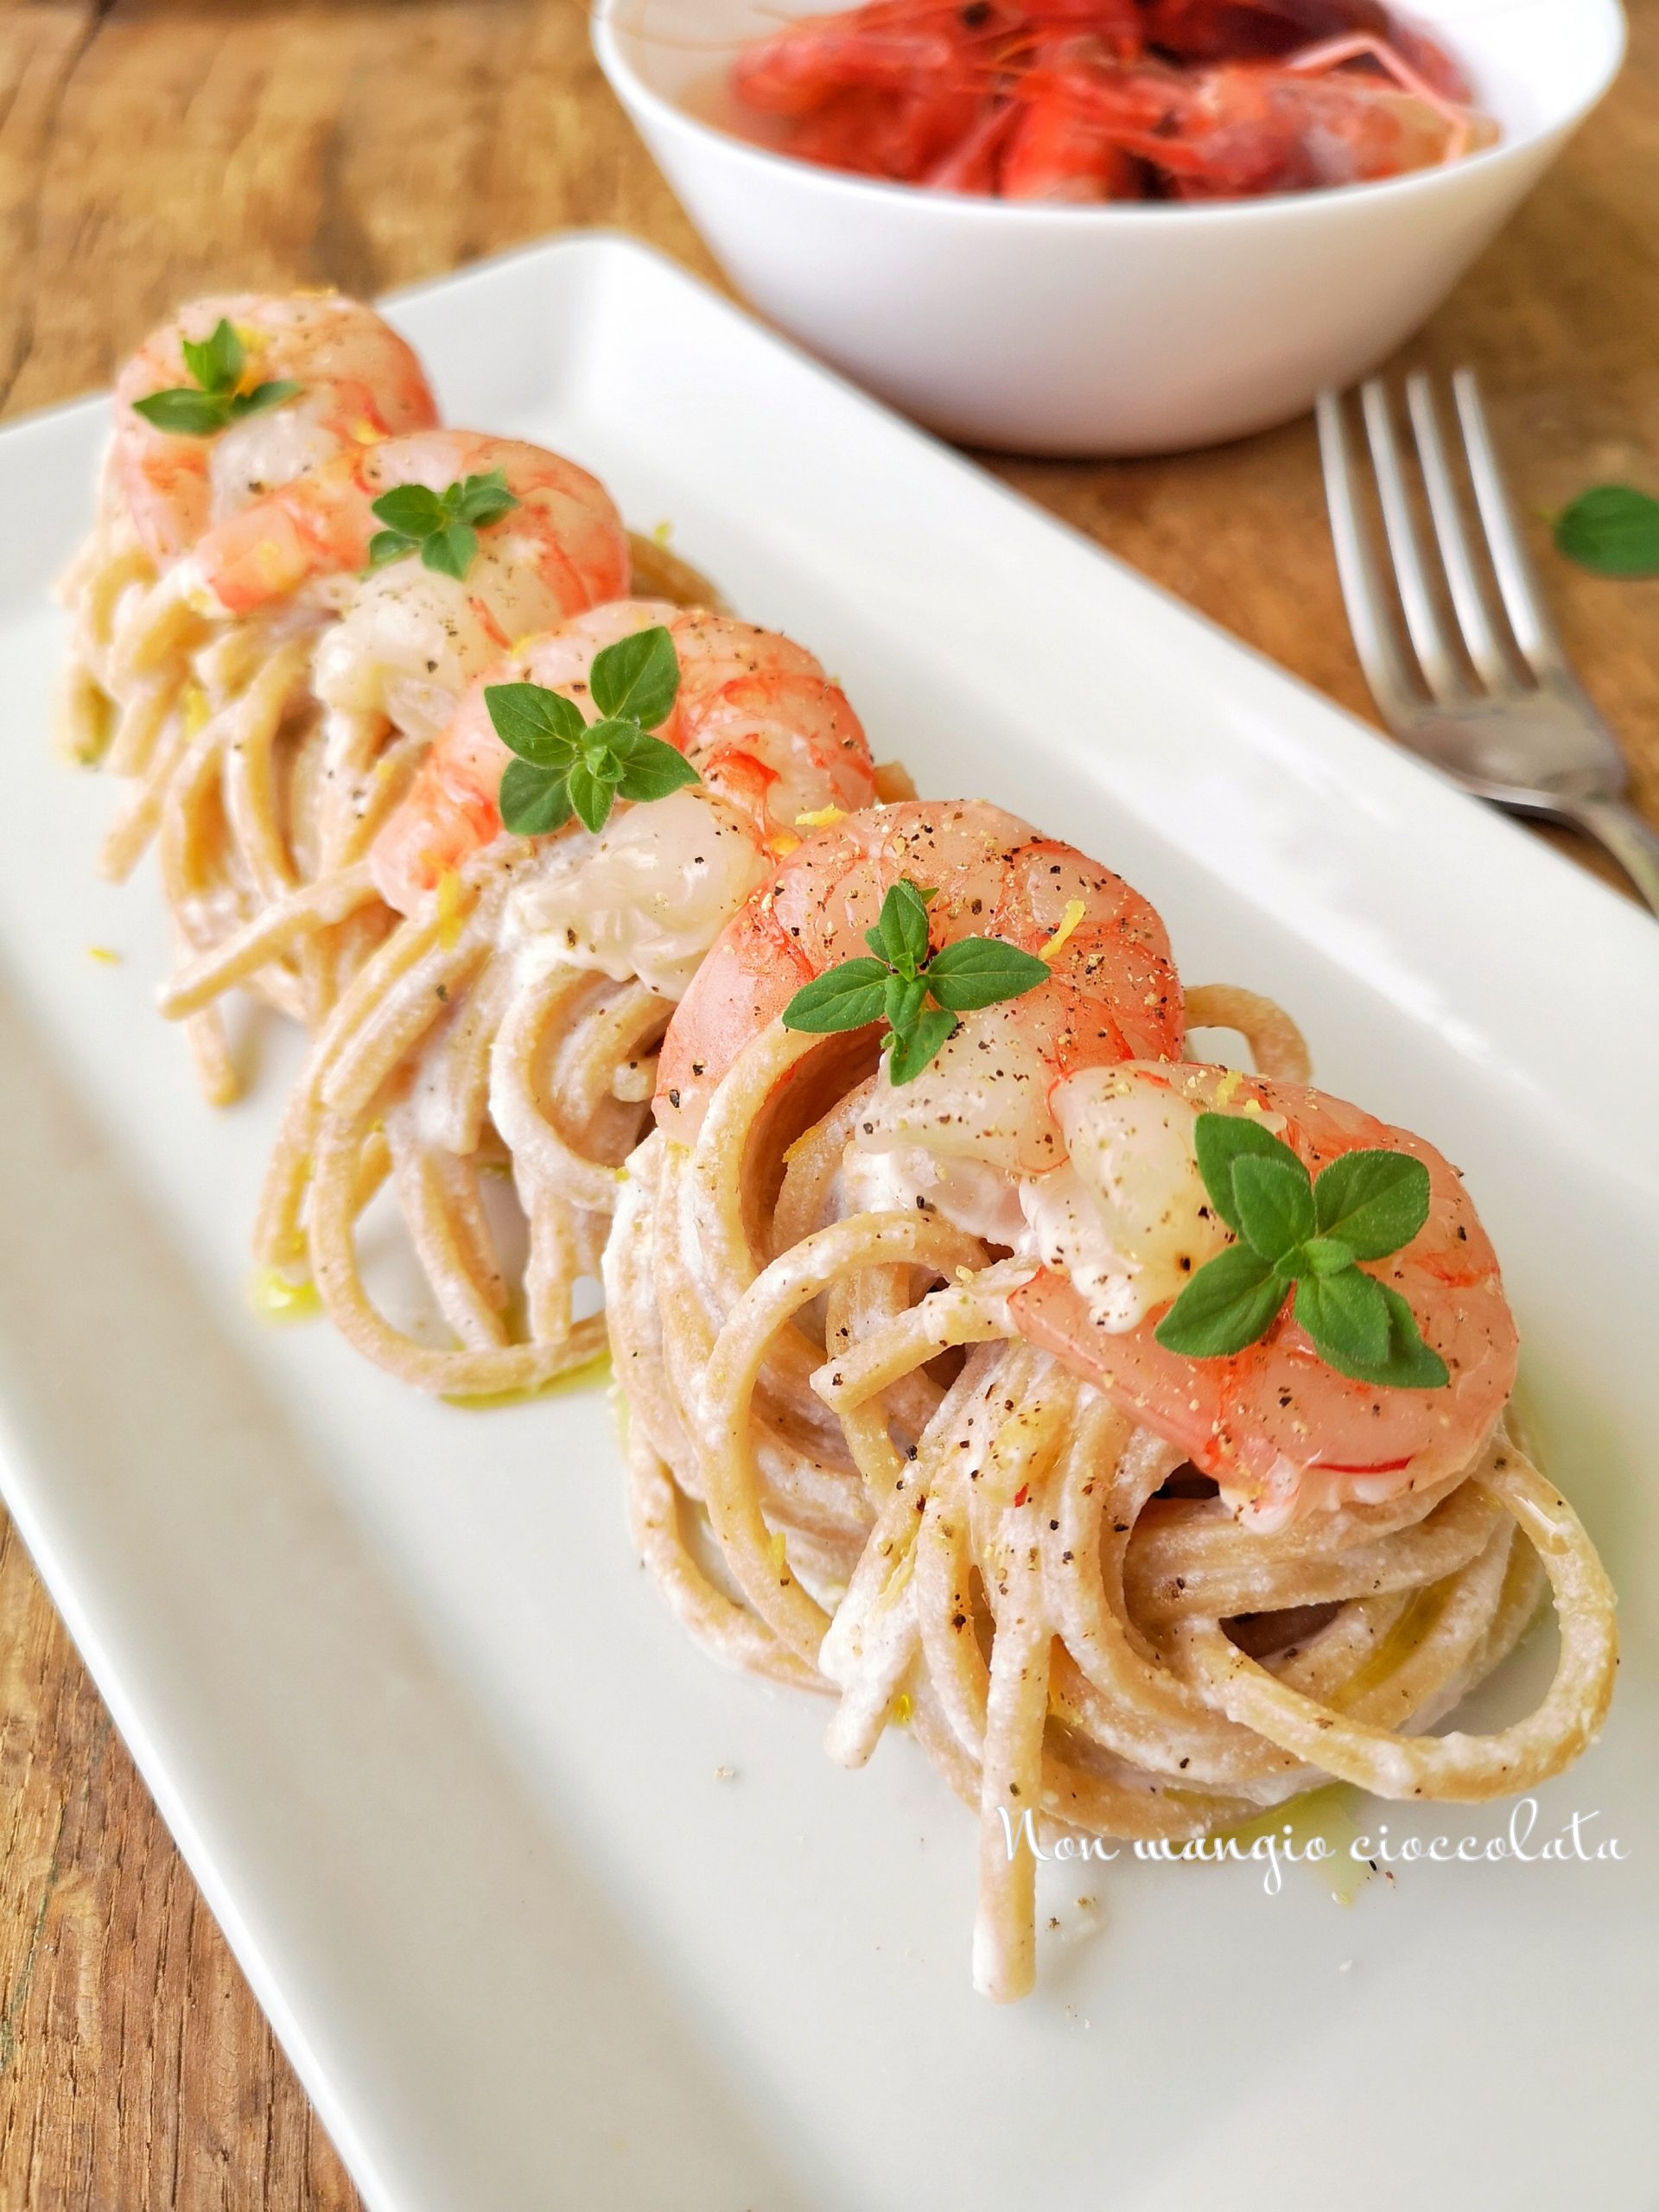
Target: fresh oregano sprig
[1305, 1235]
[216, 399]
[441, 527]
[920, 996]
[567, 765]
[1611, 529]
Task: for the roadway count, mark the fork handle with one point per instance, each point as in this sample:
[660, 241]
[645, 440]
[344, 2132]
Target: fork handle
[1622, 832]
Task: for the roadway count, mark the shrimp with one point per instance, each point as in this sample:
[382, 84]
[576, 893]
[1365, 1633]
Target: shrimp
[1114, 994]
[398, 645]
[1242, 128]
[1124, 1222]
[1061, 101]
[892, 46]
[1056, 154]
[771, 736]
[359, 383]
[1240, 30]
[561, 549]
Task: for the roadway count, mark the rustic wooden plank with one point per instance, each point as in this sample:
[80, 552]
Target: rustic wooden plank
[148, 151]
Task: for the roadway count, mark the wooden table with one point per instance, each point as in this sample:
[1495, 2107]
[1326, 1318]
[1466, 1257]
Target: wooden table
[148, 152]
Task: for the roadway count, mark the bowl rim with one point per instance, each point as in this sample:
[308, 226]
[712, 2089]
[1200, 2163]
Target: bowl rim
[608, 33]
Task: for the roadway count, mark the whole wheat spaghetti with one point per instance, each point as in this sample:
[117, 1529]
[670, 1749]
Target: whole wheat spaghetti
[880, 1445]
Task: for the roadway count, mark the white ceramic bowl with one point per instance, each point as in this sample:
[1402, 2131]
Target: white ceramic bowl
[1101, 330]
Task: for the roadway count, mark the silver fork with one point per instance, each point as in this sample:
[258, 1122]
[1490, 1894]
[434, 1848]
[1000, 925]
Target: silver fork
[1510, 721]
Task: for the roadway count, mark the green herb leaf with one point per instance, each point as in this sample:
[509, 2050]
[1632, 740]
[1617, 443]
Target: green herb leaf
[900, 934]
[649, 768]
[388, 545]
[1275, 1199]
[263, 396]
[1347, 1317]
[537, 724]
[896, 985]
[444, 524]
[184, 413]
[978, 971]
[216, 362]
[591, 796]
[1219, 1140]
[415, 509]
[909, 1054]
[1325, 1256]
[1408, 1364]
[905, 997]
[534, 801]
[1365, 1205]
[451, 550]
[638, 678]
[846, 997]
[480, 499]
[1375, 1201]
[1612, 529]
[1229, 1303]
[203, 410]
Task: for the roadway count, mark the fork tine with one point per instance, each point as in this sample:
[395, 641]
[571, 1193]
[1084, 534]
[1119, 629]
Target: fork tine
[1378, 648]
[1445, 509]
[1517, 586]
[1442, 675]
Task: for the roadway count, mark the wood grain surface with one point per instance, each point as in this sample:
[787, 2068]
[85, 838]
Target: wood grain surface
[150, 151]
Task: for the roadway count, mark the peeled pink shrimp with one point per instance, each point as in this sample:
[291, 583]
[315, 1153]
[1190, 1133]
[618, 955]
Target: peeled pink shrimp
[1281, 1432]
[771, 736]
[401, 643]
[361, 383]
[565, 533]
[1114, 995]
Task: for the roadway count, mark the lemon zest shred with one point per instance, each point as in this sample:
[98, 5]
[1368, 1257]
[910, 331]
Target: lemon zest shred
[662, 532]
[899, 1711]
[1074, 911]
[895, 1587]
[783, 844]
[449, 909]
[272, 564]
[196, 709]
[822, 817]
[779, 1556]
[278, 1298]
[1228, 1086]
[367, 433]
[105, 954]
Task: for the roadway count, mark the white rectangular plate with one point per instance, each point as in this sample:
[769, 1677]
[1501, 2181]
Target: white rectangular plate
[443, 1765]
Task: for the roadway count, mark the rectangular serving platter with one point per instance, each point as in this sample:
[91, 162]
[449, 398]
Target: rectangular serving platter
[449, 1775]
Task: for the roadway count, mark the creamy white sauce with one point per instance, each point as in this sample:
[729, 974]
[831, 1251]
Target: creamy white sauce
[968, 1193]
[647, 897]
[1124, 1217]
[1128, 1219]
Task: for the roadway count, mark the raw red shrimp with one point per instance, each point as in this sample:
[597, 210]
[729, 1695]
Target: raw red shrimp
[915, 92]
[1056, 153]
[1114, 995]
[1279, 1431]
[1246, 128]
[1243, 30]
[904, 137]
[769, 735]
[893, 46]
[359, 383]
